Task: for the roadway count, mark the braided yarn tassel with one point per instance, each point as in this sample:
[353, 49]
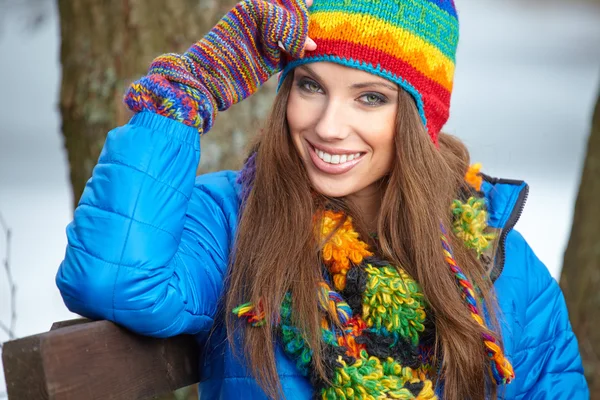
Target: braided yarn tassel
[254, 315]
[334, 304]
[501, 368]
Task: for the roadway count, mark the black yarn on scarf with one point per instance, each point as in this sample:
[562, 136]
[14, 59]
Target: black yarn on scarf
[356, 284]
[414, 388]
[330, 356]
[383, 347]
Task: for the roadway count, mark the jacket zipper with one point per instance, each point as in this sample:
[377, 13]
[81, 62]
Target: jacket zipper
[510, 224]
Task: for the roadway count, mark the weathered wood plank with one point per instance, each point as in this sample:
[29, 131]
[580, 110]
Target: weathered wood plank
[97, 360]
[23, 369]
[70, 322]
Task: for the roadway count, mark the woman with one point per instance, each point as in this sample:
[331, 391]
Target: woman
[349, 258]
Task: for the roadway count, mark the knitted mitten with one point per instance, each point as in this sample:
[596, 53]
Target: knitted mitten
[228, 65]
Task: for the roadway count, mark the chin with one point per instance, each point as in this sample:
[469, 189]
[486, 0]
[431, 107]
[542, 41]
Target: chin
[331, 187]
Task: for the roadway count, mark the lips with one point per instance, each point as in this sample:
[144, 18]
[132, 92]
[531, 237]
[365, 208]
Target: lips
[317, 155]
[336, 158]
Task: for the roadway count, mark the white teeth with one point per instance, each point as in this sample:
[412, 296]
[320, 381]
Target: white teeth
[336, 158]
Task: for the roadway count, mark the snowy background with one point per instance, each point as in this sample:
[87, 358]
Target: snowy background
[527, 76]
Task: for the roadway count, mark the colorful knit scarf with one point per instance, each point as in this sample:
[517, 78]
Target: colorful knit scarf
[377, 338]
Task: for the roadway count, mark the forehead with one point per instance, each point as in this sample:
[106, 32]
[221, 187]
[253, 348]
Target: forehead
[333, 72]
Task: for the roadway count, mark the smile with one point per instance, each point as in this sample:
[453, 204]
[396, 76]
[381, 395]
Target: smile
[336, 158]
[334, 162]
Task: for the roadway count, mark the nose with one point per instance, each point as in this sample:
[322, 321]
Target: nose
[333, 124]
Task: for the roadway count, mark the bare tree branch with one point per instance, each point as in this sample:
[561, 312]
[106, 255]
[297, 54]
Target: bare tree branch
[32, 14]
[10, 329]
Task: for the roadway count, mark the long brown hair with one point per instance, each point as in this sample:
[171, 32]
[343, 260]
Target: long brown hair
[276, 250]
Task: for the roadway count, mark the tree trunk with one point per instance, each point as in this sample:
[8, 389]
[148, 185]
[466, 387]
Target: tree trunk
[580, 279]
[107, 44]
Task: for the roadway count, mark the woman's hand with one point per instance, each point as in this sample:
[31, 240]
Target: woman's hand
[245, 48]
[310, 44]
[229, 64]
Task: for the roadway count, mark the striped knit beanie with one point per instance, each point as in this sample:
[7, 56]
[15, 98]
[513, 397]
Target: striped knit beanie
[409, 42]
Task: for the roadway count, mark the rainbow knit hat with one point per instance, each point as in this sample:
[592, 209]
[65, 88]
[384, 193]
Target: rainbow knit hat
[409, 42]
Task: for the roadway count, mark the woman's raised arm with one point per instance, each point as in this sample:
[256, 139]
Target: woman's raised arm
[149, 244]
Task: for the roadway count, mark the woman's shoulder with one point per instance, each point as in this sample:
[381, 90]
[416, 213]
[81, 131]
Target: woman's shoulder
[521, 261]
[217, 194]
[220, 184]
[525, 280]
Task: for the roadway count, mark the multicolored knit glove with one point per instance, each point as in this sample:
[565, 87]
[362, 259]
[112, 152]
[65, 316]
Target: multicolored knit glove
[228, 65]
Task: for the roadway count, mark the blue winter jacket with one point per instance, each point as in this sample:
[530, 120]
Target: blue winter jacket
[149, 246]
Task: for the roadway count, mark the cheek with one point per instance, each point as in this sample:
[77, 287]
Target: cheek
[294, 120]
[301, 113]
[381, 139]
[296, 116]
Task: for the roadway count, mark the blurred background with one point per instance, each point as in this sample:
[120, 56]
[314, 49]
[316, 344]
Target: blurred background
[527, 81]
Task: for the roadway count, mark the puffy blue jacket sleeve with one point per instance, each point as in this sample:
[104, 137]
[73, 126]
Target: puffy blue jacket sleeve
[148, 247]
[548, 364]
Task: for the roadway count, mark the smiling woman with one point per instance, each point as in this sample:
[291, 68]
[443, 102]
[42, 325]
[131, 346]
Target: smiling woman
[342, 122]
[355, 255]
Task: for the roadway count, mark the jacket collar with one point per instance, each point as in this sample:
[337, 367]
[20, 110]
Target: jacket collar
[505, 200]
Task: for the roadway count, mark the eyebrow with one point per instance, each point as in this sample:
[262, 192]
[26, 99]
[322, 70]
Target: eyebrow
[363, 85]
[360, 85]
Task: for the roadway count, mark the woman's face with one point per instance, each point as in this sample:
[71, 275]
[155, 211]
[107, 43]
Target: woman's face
[342, 122]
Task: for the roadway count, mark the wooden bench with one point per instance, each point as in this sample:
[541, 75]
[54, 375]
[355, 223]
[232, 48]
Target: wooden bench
[81, 359]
